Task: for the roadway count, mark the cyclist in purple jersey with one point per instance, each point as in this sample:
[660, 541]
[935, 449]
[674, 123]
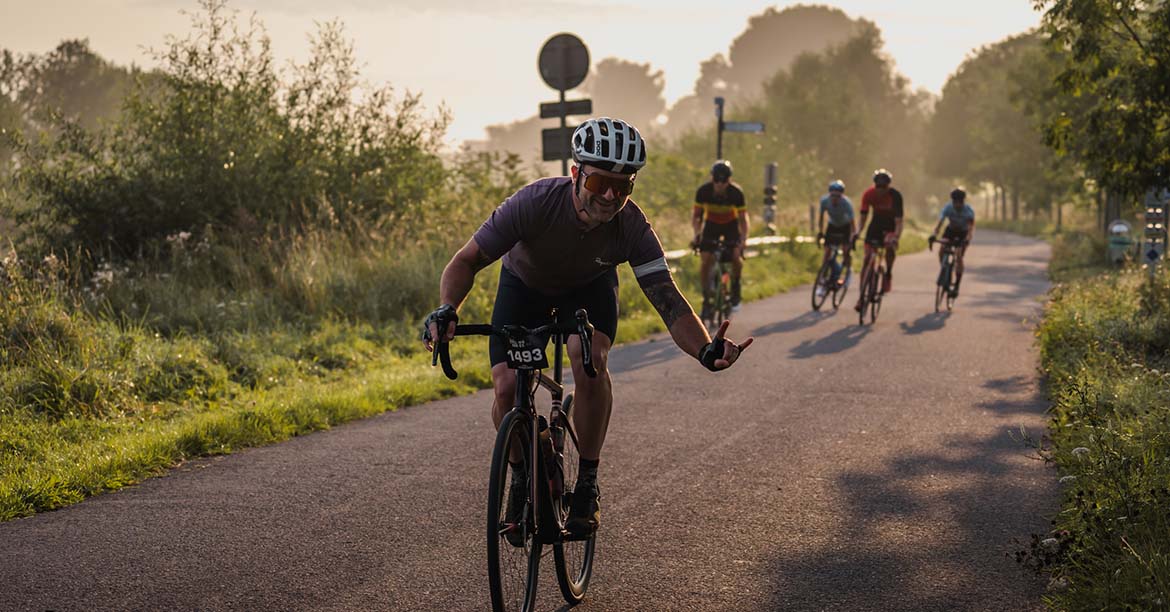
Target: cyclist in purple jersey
[561, 240]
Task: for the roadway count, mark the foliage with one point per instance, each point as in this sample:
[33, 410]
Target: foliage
[223, 142]
[1113, 114]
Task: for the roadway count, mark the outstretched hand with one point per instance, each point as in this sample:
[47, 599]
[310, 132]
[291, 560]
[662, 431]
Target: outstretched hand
[731, 350]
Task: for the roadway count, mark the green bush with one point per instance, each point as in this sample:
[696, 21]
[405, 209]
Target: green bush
[222, 139]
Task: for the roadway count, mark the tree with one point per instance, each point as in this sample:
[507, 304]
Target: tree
[627, 90]
[1114, 116]
[982, 131]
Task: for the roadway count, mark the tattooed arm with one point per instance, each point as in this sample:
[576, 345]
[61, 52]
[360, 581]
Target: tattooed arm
[459, 275]
[686, 329]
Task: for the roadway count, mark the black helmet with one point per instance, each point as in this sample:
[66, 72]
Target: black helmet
[882, 177]
[721, 170]
[958, 194]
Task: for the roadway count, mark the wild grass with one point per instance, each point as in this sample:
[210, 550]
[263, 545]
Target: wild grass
[1105, 350]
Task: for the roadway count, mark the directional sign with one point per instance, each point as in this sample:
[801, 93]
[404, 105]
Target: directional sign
[748, 127]
[552, 110]
[555, 143]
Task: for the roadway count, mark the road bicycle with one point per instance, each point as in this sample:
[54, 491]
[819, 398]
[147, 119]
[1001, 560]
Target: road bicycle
[872, 275]
[945, 285]
[825, 285]
[720, 289]
[546, 449]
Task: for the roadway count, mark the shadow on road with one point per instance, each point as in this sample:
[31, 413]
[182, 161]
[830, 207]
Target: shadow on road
[926, 323]
[807, 319]
[840, 340]
[923, 531]
[641, 355]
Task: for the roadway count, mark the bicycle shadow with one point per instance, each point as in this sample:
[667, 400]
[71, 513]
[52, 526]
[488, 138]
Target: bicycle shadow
[929, 322]
[919, 522]
[836, 342]
[806, 319]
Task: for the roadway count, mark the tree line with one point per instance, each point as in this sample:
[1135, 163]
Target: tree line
[114, 159]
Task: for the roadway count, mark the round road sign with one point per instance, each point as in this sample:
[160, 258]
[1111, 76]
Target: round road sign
[564, 61]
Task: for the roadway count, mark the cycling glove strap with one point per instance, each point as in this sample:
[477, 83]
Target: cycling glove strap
[711, 351]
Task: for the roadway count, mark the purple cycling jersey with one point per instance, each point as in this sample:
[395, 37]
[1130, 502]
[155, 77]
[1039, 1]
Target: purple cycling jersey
[542, 241]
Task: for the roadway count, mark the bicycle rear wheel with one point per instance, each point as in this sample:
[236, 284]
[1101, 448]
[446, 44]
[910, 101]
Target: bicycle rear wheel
[820, 288]
[574, 558]
[513, 566]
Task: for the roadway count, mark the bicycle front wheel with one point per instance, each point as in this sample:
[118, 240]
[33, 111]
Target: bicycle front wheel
[512, 543]
[820, 288]
[867, 281]
[940, 289]
[875, 295]
[839, 293]
[574, 557]
[950, 287]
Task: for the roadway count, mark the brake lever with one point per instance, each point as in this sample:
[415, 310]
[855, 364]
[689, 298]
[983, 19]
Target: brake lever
[443, 354]
[585, 331]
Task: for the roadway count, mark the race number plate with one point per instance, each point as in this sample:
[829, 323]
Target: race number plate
[527, 353]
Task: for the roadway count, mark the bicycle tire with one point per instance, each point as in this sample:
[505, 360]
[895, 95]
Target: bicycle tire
[574, 559]
[875, 294]
[940, 288]
[840, 291]
[866, 282]
[824, 275]
[503, 557]
[950, 287]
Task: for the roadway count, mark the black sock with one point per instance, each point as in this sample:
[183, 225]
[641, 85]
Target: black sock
[587, 470]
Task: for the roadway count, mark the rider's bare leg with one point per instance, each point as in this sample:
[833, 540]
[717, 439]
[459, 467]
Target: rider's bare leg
[504, 383]
[592, 397]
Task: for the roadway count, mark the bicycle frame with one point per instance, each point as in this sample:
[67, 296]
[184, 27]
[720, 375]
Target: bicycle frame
[527, 382]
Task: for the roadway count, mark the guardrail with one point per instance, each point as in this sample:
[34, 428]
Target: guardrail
[751, 242]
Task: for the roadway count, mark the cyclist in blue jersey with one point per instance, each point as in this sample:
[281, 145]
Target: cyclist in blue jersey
[960, 218]
[842, 228]
[561, 240]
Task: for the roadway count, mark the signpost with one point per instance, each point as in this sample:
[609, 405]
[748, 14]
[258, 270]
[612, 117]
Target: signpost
[563, 64]
[746, 127]
[1154, 245]
[770, 197]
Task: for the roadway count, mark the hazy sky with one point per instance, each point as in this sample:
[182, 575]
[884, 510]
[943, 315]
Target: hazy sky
[479, 56]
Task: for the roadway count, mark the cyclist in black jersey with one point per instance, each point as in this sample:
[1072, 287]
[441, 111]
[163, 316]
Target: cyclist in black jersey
[561, 240]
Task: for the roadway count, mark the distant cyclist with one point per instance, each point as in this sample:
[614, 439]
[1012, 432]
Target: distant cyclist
[886, 227]
[960, 230]
[561, 240]
[720, 210]
[842, 227]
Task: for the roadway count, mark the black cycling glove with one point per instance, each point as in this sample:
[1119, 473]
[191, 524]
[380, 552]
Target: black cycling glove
[711, 351]
[442, 317]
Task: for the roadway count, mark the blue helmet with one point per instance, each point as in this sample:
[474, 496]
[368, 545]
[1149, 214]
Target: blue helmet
[837, 185]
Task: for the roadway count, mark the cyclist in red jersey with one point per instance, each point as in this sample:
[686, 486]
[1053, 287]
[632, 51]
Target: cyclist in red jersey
[886, 227]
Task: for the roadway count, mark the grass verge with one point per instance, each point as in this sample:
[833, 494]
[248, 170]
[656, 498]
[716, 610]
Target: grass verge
[93, 402]
[1105, 351]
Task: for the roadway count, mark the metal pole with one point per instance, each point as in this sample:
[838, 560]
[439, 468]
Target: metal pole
[564, 125]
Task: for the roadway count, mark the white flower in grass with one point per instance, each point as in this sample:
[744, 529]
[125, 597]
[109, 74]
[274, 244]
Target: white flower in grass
[1067, 479]
[1080, 451]
[1049, 543]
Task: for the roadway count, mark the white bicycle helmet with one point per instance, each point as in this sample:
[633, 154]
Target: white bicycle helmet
[609, 144]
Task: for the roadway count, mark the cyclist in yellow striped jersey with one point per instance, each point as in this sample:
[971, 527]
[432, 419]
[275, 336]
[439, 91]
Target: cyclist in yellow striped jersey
[720, 210]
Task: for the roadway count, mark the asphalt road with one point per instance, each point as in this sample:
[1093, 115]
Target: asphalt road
[834, 468]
